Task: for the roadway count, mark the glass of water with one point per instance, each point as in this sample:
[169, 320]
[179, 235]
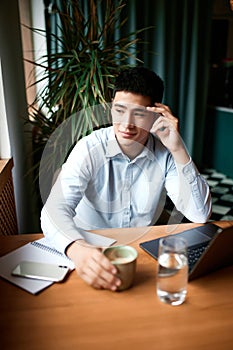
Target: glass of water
[172, 276]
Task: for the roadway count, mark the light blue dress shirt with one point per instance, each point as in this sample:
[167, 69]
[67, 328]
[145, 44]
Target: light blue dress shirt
[100, 187]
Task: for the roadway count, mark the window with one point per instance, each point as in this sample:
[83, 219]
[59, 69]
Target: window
[5, 150]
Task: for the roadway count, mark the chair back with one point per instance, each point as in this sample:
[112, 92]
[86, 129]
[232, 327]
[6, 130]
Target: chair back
[8, 219]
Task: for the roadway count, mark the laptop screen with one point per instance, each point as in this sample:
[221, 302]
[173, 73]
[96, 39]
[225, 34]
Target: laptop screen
[194, 237]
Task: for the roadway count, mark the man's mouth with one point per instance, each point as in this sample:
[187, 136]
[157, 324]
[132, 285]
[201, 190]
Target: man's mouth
[127, 134]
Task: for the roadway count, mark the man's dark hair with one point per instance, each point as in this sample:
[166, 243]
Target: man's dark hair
[142, 81]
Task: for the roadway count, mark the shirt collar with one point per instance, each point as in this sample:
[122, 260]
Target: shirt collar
[113, 149]
[149, 149]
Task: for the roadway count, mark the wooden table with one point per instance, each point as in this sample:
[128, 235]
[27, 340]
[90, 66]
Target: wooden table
[72, 315]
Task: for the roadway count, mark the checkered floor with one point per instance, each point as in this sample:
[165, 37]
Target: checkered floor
[221, 188]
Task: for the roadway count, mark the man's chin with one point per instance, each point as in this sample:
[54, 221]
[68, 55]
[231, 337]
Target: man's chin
[127, 141]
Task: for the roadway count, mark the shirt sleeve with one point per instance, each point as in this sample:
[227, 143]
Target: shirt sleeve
[189, 192]
[57, 215]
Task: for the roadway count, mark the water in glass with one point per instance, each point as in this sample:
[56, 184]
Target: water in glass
[172, 278]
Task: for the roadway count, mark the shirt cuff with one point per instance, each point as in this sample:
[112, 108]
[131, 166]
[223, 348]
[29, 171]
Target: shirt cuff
[62, 243]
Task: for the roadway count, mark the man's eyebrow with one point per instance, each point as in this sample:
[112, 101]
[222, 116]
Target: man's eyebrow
[140, 109]
[137, 109]
[119, 105]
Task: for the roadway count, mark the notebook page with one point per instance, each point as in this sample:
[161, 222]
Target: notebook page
[30, 252]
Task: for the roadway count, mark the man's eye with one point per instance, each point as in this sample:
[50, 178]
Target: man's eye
[119, 111]
[140, 114]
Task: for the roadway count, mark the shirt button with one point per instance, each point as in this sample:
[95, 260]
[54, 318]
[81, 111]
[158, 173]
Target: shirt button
[186, 170]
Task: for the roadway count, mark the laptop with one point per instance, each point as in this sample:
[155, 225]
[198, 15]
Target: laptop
[209, 248]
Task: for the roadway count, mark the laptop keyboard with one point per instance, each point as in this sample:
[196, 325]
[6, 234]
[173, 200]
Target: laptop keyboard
[194, 253]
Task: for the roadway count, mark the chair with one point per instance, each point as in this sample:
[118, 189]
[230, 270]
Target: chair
[8, 219]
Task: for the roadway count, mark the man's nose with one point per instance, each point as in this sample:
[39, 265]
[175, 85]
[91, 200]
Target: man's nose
[128, 119]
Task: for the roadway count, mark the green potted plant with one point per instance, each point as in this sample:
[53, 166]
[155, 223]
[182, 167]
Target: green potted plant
[80, 73]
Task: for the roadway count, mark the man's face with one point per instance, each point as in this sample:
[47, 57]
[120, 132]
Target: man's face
[131, 120]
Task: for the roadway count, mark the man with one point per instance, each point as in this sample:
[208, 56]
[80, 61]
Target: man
[115, 177]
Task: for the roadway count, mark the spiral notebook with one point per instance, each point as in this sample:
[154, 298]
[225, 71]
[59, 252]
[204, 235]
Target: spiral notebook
[37, 251]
